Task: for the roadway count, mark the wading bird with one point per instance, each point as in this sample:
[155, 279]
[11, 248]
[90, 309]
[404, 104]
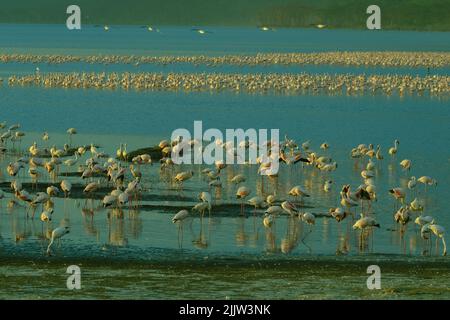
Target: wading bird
[241, 194]
[393, 150]
[57, 234]
[437, 230]
[298, 191]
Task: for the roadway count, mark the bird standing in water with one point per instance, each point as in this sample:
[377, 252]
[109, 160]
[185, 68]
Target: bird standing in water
[241, 194]
[57, 234]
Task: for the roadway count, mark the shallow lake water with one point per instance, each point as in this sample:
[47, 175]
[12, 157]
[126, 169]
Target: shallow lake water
[142, 254]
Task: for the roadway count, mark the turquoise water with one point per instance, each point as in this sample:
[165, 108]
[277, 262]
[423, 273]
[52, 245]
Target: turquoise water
[144, 255]
[222, 40]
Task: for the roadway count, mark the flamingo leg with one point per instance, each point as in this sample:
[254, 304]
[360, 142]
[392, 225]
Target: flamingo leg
[444, 253]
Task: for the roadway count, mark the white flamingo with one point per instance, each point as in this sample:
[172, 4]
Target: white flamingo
[57, 234]
[393, 150]
[437, 230]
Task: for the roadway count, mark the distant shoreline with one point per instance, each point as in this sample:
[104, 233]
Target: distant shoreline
[307, 27]
[417, 15]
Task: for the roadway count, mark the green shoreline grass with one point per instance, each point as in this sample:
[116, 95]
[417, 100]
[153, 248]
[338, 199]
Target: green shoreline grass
[423, 15]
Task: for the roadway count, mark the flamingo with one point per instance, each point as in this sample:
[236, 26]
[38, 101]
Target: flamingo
[123, 198]
[372, 190]
[72, 162]
[201, 207]
[289, 207]
[135, 172]
[362, 194]
[306, 145]
[257, 202]
[180, 216]
[241, 194]
[324, 146]
[220, 165]
[16, 186]
[367, 174]
[179, 219]
[164, 143]
[109, 200]
[416, 205]
[308, 217]
[13, 168]
[40, 198]
[298, 191]
[52, 191]
[338, 213]
[237, 179]
[268, 220]
[46, 215]
[393, 150]
[274, 210]
[370, 165]
[146, 158]
[119, 151]
[213, 175]
[66, 187]
[134, 188]
[91, 187]
[215, 184]
[181, 177]
[271, 199]
[406, 164]
[346, 200]
[24, 196]
[264, 28]
[205, 197]
[437, 230]
[423, 220]
[365, 222]
[81, 150]
[124, 152]
[399, 194]
[57, 234]
[426, 180]
[402, 216]
[378, 154]
[18, 136]
[412, 183]
[45, 136]
[327, 167]
[71, 132]
[93, 150]
[370, 152]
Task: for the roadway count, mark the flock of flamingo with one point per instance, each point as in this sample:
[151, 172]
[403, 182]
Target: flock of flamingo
[345, 58]
[123, 182]
[254, 83]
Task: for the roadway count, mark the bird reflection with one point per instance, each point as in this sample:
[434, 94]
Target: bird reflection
[254, 235]
[89, 222]
[292, 236]
[271, 246]
[135, 225]
[200, 241]
[240, 236]
[21, 230]
[116, 233]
